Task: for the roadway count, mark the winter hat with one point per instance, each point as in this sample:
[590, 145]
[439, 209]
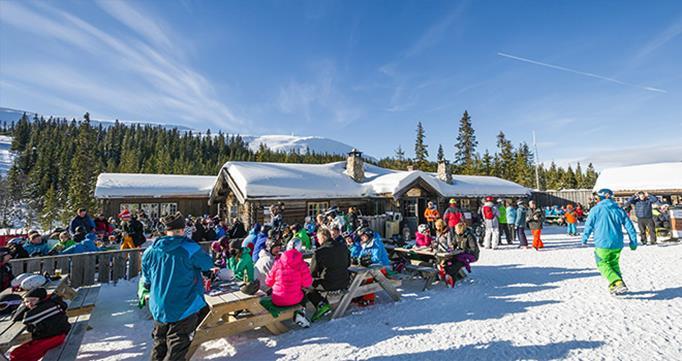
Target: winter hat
[124, 214]
[174, 221]
[519, 203]
[39, 293]
[296, 244]
[236, 244]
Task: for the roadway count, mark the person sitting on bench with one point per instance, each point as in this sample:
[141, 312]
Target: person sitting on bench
[465, 240]
[45, 319]
[267, 258]
[329, 268]
[287, 278]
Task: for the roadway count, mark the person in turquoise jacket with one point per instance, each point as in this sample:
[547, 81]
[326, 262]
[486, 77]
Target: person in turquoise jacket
[172, 268]
[606, 222]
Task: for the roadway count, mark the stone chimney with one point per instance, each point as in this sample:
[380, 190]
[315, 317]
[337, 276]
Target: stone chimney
[355, 166]
[410, 168]
[444, 173]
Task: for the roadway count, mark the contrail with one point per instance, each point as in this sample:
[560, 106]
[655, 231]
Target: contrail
[591, 75]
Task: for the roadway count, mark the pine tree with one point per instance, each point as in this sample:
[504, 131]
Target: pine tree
[579, 177]
[590, 176]
[82, 178]
[487, 164]
[441, 154]
[50, 209]
[420, 152]
[504, 157]
[465, 149]
[569, 181]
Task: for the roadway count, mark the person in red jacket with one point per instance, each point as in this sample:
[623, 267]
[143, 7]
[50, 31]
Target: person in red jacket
[287, 278]
[452, 216]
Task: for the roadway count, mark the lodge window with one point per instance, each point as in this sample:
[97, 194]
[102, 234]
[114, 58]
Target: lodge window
[131, 207]
[315, 208]
[151, 210]
[410, 207]
[168, 209]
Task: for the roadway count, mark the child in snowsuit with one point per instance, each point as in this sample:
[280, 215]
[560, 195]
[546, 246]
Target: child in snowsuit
[240, 262]
[571, 220]
[490, 216]
[45, 319]
[607, 220]
[423, 236]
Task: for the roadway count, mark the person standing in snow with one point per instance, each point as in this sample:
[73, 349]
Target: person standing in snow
[520, 224]
[643, 202]
[606, 221]
[490, 216]
[431, 215]
[535, 219]
[511, 221]
[502, 220]
[452, 216]
[571, 220]
[172, 268]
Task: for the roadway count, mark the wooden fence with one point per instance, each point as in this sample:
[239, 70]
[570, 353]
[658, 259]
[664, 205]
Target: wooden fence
[86, 269]
[563, 197]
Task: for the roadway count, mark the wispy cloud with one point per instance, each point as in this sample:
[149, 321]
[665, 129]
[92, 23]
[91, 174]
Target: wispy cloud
[147, 55]
[671, 32]
[574, 71]
[319, 99]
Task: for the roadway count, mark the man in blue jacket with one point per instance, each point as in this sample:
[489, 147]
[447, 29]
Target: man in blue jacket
[173, 268]
[82, 219]
[643, 203]
[606, 221]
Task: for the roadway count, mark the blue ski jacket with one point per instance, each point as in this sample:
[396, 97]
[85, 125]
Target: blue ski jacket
[172, 267]
[375, 248]
[643, 207]
[606, 221]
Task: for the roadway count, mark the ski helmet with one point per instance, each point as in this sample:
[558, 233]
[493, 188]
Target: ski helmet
[453, 201]
[367, 232]
[422, 228]
[604, 193]
[16, 282]
[33, 281]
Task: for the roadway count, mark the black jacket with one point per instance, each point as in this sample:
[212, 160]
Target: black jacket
[6, 276]
[135, 229]
[237, 230]
[467, 243]
[329, 266]
[47, 319]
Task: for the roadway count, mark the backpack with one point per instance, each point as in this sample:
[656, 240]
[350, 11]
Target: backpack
[488, 213]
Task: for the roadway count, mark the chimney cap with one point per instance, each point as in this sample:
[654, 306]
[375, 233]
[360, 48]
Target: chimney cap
[355, 152]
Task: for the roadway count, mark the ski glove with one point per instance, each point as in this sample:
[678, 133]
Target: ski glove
[633, 246]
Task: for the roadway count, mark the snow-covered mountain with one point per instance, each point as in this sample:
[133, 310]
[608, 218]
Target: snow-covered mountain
[287, 143]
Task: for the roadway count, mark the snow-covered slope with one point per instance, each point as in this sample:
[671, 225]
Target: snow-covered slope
[286, 143]
[6, 157]
[517, 305]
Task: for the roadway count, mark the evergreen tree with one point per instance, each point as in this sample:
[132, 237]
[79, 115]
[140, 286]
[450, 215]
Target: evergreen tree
[465, 149]
[569, 181]
[420, 152]
[579, 177]
[505, 157]
[487, 166]
[82, 178]
[590, 176]
[50, 211]
[441, 154]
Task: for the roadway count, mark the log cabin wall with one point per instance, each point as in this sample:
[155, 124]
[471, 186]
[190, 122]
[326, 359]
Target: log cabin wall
[194, 206]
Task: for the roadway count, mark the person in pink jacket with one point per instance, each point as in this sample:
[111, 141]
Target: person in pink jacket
[423, 236]
[287, 278]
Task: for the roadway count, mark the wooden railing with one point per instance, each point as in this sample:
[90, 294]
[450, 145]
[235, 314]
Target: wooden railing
[86, 269]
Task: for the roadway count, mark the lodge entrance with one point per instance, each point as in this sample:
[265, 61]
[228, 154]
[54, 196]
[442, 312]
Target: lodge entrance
[412, 206]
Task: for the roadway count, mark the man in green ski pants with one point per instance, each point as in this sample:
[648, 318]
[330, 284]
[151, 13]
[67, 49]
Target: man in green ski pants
[606, 221]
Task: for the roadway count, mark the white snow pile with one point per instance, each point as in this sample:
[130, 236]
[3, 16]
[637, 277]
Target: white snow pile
[516, 305]
[656, 176]
[307, 181]
[6, 156]
[117, 185]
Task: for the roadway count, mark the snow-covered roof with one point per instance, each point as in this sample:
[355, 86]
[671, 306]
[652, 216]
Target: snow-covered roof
[645, 177]
[125, 185]
[253, 180]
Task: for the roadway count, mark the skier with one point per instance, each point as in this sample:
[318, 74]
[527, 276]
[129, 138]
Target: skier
[490, 216]
[606, 220]
[452, 216]
[536, 217]
[571, 220]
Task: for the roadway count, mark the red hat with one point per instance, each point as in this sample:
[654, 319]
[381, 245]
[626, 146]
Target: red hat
[124, 214]
[489, 199]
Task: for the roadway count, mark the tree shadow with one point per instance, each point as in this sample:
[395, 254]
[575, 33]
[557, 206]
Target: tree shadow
[499, 350]
[662, 295]
[493, 295]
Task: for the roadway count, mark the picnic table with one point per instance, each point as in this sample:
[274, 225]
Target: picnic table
[357, 288]
[424, 254]
[11, 333]
[234, 312]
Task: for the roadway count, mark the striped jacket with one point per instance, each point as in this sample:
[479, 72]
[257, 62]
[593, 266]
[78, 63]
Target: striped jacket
[46, 320]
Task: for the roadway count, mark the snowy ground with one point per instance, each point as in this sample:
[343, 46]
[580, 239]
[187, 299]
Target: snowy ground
[519, 305]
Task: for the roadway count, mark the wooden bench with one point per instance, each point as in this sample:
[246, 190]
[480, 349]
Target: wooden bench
[357, 289]
[69, 349]
[84, 301]
[429, 274]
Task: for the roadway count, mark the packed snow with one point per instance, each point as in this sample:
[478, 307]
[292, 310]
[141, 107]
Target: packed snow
[308, 181]
[652, 177]
[6, 156]
[516, 305]
[115, 185]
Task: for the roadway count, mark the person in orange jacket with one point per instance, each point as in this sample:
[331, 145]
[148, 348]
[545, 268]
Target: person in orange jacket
[571, 220]
[432, 215]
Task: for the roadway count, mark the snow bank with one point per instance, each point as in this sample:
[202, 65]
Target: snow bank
[518, 305]
[117, 185]
[653, 177]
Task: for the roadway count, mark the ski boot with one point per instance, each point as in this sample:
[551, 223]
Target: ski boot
[322, 310]
[450, 281]
[301, 320]
[618, 288]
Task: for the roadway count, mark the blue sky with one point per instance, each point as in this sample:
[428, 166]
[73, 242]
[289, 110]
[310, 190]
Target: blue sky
[597, 81]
